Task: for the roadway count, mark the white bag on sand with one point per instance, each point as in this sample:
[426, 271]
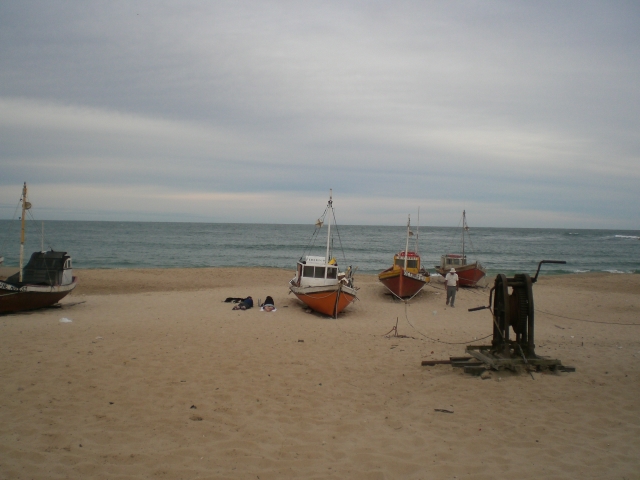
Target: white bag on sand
[65, 320]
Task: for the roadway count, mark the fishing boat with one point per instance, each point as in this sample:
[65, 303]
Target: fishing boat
[469, 274]
[318, 282]
[405, 278]
[44, 281]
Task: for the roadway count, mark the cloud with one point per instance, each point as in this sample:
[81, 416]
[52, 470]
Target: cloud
[248, 111]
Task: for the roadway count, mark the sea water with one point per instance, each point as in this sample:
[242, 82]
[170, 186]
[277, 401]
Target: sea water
[369, 248]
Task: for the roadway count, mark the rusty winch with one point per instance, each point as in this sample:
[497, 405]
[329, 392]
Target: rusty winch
[511, 302]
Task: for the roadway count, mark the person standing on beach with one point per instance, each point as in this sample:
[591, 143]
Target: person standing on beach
[451, 283]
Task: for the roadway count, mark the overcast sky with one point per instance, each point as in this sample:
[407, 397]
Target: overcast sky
[526, 114]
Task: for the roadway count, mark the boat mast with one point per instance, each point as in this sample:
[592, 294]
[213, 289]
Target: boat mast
[330, 212]
[406, 249]
[464, 227]
[418, 232]
[25, 206]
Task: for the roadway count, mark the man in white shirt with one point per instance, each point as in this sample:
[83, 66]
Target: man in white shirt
[451, 283]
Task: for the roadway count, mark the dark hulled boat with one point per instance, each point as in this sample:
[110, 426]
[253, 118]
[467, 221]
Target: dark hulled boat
[44, 281]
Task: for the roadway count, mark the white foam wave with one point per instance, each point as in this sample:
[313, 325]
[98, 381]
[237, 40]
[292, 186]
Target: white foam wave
[614, 271]
[627, 236]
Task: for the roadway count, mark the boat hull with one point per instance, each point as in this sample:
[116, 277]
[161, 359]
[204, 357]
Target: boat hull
[31, 297]
[468, 275]
[328, 300]
[402, 283]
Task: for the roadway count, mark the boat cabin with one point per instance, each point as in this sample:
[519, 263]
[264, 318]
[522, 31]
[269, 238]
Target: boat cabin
[452, 261]
[413, 261]
[46, 268]
[315, 271]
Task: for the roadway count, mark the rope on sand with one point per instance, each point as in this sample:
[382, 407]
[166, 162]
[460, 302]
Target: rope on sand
[557, 315]
[406, 316]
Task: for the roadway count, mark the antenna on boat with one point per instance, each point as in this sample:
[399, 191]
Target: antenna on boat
[418, 232]
[464, 229]
[330, 212]
[406, 248]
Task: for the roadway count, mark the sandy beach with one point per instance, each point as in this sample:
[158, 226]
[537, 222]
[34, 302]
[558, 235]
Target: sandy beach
[156, 377]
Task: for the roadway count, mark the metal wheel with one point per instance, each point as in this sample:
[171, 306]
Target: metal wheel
[501, 314]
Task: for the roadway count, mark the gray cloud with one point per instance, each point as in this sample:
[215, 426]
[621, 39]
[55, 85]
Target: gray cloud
[526, 113]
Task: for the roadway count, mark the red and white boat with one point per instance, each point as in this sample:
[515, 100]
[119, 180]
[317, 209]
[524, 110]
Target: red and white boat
[405, 278]
[469, 274]
[318, 282]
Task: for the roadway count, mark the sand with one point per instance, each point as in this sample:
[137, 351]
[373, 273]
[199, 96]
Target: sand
[156, 377]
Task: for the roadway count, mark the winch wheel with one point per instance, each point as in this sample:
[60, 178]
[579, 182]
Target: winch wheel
[519, 310]
[501, 309]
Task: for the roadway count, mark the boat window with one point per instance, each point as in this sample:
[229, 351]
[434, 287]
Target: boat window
[410, 263]
[307, 271]
[319, 272]
[456, 262]
[332, 272]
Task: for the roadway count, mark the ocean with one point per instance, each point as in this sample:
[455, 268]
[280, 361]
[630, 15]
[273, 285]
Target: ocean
[369, 248]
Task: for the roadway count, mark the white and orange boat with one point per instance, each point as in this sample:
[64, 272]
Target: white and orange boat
[318, 282]
[468, 273]
[405, 278]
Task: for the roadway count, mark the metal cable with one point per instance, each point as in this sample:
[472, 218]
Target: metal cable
[314, 236]
[560, 316]
[590, 321]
